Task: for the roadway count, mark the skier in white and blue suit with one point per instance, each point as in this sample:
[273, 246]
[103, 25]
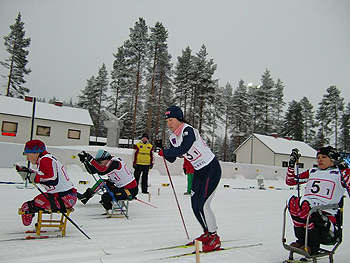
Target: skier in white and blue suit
[185, 141]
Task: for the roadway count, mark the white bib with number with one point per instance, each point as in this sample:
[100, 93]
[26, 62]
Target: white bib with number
[323, 188]
[199, 155]
[120, 177]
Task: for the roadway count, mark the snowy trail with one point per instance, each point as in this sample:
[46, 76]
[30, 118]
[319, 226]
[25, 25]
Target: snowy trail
[245, 216]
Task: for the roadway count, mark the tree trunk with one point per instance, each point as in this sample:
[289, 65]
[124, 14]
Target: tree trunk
[135, 105]
[150, 103]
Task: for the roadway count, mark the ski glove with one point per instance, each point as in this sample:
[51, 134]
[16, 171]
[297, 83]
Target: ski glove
[294, 156]
[334, 155]
[26, 173]
[160, 153]
[341, 164]
[82, 156]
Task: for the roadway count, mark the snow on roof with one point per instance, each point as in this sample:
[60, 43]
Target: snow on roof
[285, 146]
[45, 111]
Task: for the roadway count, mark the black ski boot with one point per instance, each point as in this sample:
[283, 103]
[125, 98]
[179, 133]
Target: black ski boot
[84, 198]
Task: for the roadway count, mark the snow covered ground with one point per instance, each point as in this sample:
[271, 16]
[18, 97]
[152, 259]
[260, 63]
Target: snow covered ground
[244, 217]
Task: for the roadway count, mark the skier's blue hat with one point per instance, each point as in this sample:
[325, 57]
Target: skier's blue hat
[174, 112]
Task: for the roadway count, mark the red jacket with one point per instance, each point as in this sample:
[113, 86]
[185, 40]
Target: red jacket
[188, 167]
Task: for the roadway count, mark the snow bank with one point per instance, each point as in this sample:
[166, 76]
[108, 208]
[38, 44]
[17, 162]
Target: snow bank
[12, 153]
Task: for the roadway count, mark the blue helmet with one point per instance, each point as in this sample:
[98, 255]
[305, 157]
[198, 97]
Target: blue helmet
[102, 155]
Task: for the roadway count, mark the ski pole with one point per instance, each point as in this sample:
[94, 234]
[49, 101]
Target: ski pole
[61, 211]
[112, 195]
[145, 202]
[172, 186]
[298, 179]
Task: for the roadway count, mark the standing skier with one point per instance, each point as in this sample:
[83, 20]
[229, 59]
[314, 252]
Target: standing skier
[324, 185]
[50, 173]
[186, 141]
[120, 180]
[143, 161]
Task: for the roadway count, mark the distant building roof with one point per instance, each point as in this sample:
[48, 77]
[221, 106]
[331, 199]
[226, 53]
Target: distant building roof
[284, 146]
[45, 111]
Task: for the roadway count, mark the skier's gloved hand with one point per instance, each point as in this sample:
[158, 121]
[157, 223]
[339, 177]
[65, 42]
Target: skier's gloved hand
[159, 143]
[341, 164]
[151, 166]
[88, 157]
[160, 153]
[334, 155]
[82, 156]
[134, 165]
[26, 173]
[294, 156]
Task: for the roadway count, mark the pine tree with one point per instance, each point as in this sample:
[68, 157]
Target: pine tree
[255, 114]
[119, 85]
[309, 122]
[160, 87]
[226, 104]
[205, 84]
[241, 114]
[137, 47]
[293, 121]
[335, 105]
[16, 45]
[345, 131]
[323, 119]
[266, 103]
[157, 45]
[184, 84]
[278, 105]
[88, 100]
[100, 88]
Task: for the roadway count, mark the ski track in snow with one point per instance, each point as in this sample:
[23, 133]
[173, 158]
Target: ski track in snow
[245, 216]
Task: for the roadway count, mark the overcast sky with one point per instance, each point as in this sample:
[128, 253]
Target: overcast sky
[304, 43]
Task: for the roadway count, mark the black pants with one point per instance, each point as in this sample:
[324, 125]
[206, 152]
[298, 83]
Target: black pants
[119, 194]
[313, 238]
[144, 181]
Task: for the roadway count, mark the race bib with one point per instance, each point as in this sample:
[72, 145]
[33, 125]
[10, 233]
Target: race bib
[320, 187]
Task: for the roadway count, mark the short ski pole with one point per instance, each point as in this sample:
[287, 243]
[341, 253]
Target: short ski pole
[61, 211]
[178, 205]
[298, 179]
[112, 195]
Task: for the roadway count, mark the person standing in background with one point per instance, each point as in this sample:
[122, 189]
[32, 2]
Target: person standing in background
[143, 161]
[189, 171]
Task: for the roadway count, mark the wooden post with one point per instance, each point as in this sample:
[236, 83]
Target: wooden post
[196, 243]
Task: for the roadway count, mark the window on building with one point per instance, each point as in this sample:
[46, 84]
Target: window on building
[301, 165]
[74, 134]
[9, 128]
[43, 130]
[284, 164]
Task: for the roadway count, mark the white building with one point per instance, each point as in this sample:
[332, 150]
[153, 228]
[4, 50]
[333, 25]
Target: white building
[54, 124]
[274, 151]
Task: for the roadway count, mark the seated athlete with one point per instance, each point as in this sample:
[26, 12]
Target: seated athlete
[324, 185]
[120, 181]
[52, 175]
